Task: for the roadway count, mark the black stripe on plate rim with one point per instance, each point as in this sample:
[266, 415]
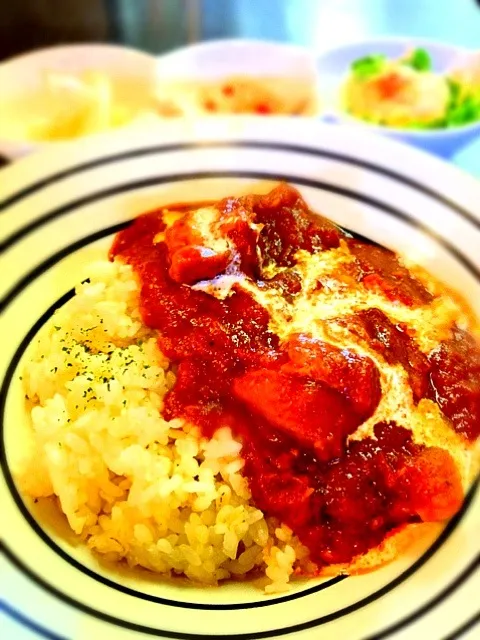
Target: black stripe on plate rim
[29, 624]
[261, 635]
[57, 257]
[316, 184]
[45, 633]
[367, 600]
[11, 485]
[431, 604]
[58, 212]
[465, 628]
[239, 144]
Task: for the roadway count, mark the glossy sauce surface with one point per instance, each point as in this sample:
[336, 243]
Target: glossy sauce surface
[294, 401]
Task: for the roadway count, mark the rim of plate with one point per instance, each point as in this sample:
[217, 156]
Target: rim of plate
[439, 177]
[55, 166]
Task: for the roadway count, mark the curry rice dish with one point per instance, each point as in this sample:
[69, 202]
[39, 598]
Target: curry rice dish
[244, 389]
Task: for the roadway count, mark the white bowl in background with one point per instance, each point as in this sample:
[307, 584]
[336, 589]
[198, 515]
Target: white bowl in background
[219, 58]
[216, 60]
[333, 65]
[23, 75]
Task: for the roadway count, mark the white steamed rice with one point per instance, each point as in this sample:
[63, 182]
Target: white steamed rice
[134, 486]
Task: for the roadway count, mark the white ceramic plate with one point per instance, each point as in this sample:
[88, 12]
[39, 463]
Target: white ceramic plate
[61, 208]
[22, 77]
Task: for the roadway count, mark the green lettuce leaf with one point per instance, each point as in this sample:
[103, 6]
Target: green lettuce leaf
[368, 66]
[462, 109]
[419, 60]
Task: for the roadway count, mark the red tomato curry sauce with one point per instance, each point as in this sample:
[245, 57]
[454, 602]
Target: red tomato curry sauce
[295, 401]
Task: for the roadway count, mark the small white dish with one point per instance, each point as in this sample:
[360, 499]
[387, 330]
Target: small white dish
[21, 81]
[288, 71]
[333, 65]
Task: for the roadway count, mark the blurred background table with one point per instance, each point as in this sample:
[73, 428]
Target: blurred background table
[160, 25]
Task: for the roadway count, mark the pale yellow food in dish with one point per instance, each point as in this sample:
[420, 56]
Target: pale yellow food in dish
[68, 106]
[420, 98]
[408, 93]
